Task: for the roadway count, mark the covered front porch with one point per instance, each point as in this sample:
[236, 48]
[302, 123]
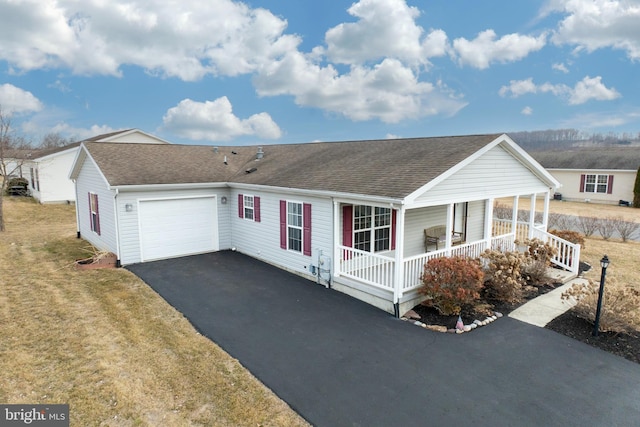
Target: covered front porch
[388, 274]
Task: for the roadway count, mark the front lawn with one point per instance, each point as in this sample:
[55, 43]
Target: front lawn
[105, 343]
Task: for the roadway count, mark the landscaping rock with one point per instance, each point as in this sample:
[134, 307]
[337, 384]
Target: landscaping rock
[497, 314]
[467, 328]
[412, 315]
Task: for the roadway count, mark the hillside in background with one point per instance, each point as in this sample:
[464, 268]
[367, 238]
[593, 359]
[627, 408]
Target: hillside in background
[562, 139]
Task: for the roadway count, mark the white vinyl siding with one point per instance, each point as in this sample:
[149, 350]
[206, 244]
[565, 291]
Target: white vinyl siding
[53, 177]
[416, 220]
[90, 181]
[495, 174]
[262, 239]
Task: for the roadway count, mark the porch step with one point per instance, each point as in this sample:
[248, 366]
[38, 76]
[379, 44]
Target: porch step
[560, 276]
[543, 309]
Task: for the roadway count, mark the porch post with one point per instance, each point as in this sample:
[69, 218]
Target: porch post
[398, 279]
[488, 222]
[336, 265]
[545, 214]
[449, 229]
[514, 217]
[532, 215]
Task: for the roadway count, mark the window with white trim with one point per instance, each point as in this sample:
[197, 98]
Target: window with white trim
[248, 208]
[371, 228]
[294, 226]
[596, 183]
[94, 213]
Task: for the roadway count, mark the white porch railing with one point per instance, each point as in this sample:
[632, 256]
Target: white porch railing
[378, 270]
[372, 269]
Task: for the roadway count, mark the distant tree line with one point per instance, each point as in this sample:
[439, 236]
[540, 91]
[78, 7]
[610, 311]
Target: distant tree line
[555, 139]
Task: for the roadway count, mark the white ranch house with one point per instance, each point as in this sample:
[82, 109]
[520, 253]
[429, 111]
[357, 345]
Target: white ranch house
[349, 215]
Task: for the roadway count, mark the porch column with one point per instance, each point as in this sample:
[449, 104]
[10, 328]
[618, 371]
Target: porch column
[336, 265]
[514, 217]
[532, 215]
[398, 279]
[545, 214]
[488, 222]
[449, 231]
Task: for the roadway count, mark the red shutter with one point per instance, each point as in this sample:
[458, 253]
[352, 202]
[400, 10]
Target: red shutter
[97, 215]
[240, 206]
[610, 185]
[306, 229]
[283, 224]
[90, 214]
[394, 218]
[347, 226]
[583, 178]
[256, 209]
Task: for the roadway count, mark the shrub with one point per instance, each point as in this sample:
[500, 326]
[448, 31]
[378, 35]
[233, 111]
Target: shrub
[561, 222]
[451, 283]
[501, 211]
[503, 279]
[569, 236]
[607, 226]
[627, 229]
[538, 250]
[587, 225]
[620, 308]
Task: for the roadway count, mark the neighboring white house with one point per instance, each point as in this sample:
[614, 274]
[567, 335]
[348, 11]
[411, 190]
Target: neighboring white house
[48, 170]
[596, 175]
[13, 160]
[350, 215]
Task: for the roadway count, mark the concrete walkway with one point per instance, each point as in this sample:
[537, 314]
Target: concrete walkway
[543, 309]
[340, 362]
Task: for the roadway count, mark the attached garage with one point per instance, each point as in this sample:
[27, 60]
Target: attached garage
[177, 227]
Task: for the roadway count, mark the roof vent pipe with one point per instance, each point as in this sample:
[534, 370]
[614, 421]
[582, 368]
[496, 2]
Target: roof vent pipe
[225, 160]
[259, 154]
[215, 149]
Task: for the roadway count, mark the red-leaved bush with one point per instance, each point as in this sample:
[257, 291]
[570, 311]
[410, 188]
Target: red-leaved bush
[451, 283]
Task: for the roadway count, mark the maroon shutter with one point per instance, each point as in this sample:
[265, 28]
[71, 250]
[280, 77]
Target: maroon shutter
[90, 214]
[610, 185]
[583, 178]
[347, 226]
[283, 224]
[240, 206]
[306, 229]
[394, 218]
[256, 209]
[97, 215]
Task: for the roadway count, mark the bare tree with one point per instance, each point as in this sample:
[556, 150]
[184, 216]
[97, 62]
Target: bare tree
[608, 226]
[9, 165]
[627, 229]
[53, 140]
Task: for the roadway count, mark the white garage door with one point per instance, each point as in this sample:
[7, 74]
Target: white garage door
[177, 227]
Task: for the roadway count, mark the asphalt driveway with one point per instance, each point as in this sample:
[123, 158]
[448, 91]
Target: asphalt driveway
[340, 362]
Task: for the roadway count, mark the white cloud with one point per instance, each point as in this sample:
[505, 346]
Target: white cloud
[585, 90]
[560, 67]
[388, 91]
[165, 38]
[215, 121]
[591, 88]
[527, 111]
[14, 100]
[385, 29]
[486, 48]
[596, 24]
[392, 136]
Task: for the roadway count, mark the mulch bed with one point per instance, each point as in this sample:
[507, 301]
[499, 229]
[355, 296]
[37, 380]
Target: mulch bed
[627, 346]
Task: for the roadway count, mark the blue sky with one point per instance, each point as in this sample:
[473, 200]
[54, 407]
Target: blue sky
[223, 72]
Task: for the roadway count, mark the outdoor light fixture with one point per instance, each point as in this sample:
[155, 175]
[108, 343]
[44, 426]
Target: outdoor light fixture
[128, 207]
[223, 200]
[604, 263]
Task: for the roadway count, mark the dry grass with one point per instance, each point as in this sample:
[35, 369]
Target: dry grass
[105, 343]
[578, 208]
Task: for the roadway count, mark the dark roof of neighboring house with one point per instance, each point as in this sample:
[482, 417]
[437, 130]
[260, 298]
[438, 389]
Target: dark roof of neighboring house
[20, 153]
[48, 151]
[387, 168]
[590, 158]
[105, 135]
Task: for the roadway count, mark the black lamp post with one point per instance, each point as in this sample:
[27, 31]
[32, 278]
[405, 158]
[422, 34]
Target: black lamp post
[604, 263]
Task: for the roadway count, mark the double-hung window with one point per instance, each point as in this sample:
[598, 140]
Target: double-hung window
[94, 213]
[597, 183]
[248, 207]
[371, 228]
[294, 226]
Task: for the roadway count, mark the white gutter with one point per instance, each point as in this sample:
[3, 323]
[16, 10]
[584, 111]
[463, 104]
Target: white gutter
[159, 187]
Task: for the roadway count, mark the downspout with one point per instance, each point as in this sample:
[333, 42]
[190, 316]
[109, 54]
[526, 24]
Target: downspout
[399, 270]
[75, 186]
[115, 212]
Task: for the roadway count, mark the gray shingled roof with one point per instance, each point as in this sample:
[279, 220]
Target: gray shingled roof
[105, 135]
[590, 158]
[389, 168]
